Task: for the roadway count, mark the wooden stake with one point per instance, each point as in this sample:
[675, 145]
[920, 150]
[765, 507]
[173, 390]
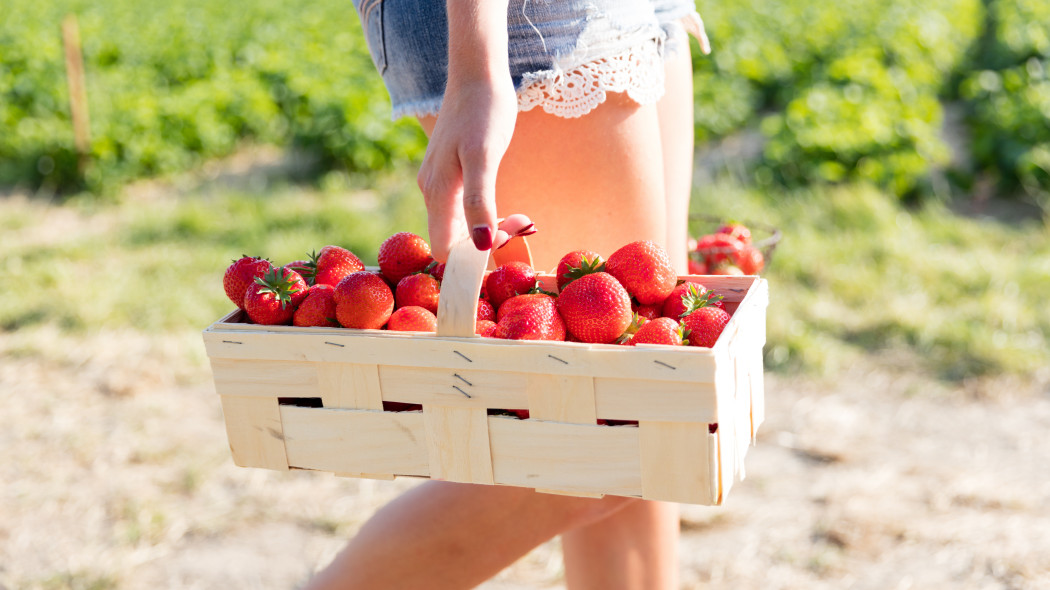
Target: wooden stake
[78, 105]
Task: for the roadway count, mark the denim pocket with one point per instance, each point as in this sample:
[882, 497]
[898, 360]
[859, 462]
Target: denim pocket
[371, 13]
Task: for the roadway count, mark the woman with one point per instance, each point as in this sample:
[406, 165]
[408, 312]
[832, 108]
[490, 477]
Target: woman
[578, 114]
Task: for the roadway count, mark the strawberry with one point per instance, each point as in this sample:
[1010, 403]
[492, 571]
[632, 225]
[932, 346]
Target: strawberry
[513, 278]
[576, 264]
[645, 270]
[241, 274]
[334, 263]
[318, 308]
[649, 312]
[418, 289]
[736, 230]
[485, 328]
[717, 248]
[304, 268]
[530, 317]
[413, 318]
[596, 308]
[486, 311]
[659, 331]
[750, 260]
[727, 269]
[696, 267]
[272, 299]
[363, 300]
[403, 254]
[636, 324]
[704, 320]
[675, 304]
[436, 269]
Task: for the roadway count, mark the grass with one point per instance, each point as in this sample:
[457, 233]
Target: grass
[856, 273]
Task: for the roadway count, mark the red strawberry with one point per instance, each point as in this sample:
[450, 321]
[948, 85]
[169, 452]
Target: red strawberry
[318, 308]
[637, 322]
[736, 230]
[241, 274]
[645, 270]
[717, 248]
[513, 278]
[727, 269]
[704, 321]
[436, 269]
[486, 311]
[659, 331]
[418, 289]
[696, 267]
[272, 299]
[413, 319]
[649, 312]
[333, 264]
[363, 300]
[485, 328]
[750, 260]
[529, 317]
[596, 308]
[403, 254]
[576, 264]
[305, 269]
[675, 304]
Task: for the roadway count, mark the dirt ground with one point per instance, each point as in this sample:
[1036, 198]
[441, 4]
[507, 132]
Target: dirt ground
[117, 475]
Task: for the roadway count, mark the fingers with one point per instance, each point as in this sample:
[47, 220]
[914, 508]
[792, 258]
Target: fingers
[479, 193]
[516, 225]
[441, 185]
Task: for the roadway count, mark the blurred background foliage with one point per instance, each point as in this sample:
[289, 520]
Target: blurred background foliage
[843, 91]
[863, 120]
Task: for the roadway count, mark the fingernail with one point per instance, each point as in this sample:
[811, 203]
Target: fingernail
[482, 236]
[500, 247]
[526, 231]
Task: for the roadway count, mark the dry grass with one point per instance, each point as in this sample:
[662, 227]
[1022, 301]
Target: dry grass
[880, 480]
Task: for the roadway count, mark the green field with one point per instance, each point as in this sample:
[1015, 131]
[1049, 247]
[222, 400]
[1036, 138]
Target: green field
[848, 101]
[856, 274]
[846, 91]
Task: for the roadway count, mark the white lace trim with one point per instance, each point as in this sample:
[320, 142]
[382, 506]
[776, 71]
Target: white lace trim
[638, 71]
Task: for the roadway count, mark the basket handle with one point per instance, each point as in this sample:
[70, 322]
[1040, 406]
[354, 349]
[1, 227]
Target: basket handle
[460, 287]
[461, 283]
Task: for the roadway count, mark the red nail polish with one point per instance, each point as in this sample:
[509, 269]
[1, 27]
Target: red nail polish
[482, 236]
[528, 230]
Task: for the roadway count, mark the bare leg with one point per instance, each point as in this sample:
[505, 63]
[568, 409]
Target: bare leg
[452, 536]
[634, 548]
[591, 183]
[596, 182]
[676, 136]
[638, 547]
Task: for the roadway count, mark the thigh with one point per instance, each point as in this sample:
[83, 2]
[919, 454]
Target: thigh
[594, 182]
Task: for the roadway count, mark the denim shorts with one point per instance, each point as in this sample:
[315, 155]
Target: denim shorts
[564, 54]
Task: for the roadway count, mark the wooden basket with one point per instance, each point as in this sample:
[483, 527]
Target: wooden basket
[312, 398]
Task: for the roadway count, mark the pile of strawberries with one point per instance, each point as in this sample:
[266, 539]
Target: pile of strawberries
[634, 297]
[728, 251]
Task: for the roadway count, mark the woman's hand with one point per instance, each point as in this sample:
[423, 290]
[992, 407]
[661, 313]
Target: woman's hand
[458, 175]
[473, 128]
